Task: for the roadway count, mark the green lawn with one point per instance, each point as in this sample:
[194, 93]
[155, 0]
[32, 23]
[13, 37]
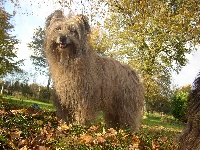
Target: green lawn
[28, 103]
[22, 126]
[160, 131]
[165, 121]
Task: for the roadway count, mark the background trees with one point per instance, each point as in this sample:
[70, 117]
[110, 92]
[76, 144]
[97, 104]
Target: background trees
[38, 58]
[8, 57]
[154, 37]
[179, 105]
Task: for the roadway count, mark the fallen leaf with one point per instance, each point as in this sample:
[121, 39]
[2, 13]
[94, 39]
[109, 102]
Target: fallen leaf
[134, 147]
[155, 146]
[163, 139]
[38, 147]
[24, 148]
[64, 127]
[93, 128]
[135, 139]
[2, 112]
[18, 111]
[86, 139]
[23, 143]
[15, 134]
[38, 139]
[112, 131]
[50, 136]
[100, 139]
[39, 122]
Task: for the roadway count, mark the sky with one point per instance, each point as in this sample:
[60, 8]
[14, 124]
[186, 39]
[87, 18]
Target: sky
[26, 24]
[188, 72]
[24, 27]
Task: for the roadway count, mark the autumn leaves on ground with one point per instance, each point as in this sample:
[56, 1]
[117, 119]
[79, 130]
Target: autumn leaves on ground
[23, 128]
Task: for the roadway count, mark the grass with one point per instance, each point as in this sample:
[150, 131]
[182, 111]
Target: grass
[28, 103]
[22, 126]
[160, 131]
[165, 121]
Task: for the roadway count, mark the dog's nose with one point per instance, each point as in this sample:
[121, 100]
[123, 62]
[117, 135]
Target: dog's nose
[63, 39]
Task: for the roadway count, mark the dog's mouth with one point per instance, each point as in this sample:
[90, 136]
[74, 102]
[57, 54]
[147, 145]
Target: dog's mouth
[63, 41]
[62, 45]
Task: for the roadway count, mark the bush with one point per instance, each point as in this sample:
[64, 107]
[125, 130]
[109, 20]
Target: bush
[44, 94]
[179, 105]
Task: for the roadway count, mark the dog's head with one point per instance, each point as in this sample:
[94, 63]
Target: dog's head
[66, 34]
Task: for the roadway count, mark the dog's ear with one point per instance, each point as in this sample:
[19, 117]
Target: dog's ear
[85, 21]
[58, 14]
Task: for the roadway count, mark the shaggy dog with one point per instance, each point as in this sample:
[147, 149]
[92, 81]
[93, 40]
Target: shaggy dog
[190, 138]
[85, 82]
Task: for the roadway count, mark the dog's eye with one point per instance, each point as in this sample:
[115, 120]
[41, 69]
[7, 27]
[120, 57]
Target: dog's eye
[58, 28]
[73, 32]
[72, 28]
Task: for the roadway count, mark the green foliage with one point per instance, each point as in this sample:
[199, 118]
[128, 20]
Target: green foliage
[38, 59]
[154, 37]
[179, 105]
[44, 94]
[7, 45]
[159, 105]
[17, 85]
[184, 89]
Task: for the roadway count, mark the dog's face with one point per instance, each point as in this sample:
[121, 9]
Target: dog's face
[66, 34]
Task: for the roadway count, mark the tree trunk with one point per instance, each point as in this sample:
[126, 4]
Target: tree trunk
[2, 88]
[48, 87]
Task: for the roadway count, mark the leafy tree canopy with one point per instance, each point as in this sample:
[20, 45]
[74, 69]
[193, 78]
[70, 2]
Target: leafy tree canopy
[7, 45]
[38, 58]
[154, 37]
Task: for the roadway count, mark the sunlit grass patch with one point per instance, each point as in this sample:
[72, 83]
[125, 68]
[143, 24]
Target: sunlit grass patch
[13, 102]
[155, 132]
[165, 121]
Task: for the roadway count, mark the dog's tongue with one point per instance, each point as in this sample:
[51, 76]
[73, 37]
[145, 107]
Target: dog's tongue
[62, 45]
